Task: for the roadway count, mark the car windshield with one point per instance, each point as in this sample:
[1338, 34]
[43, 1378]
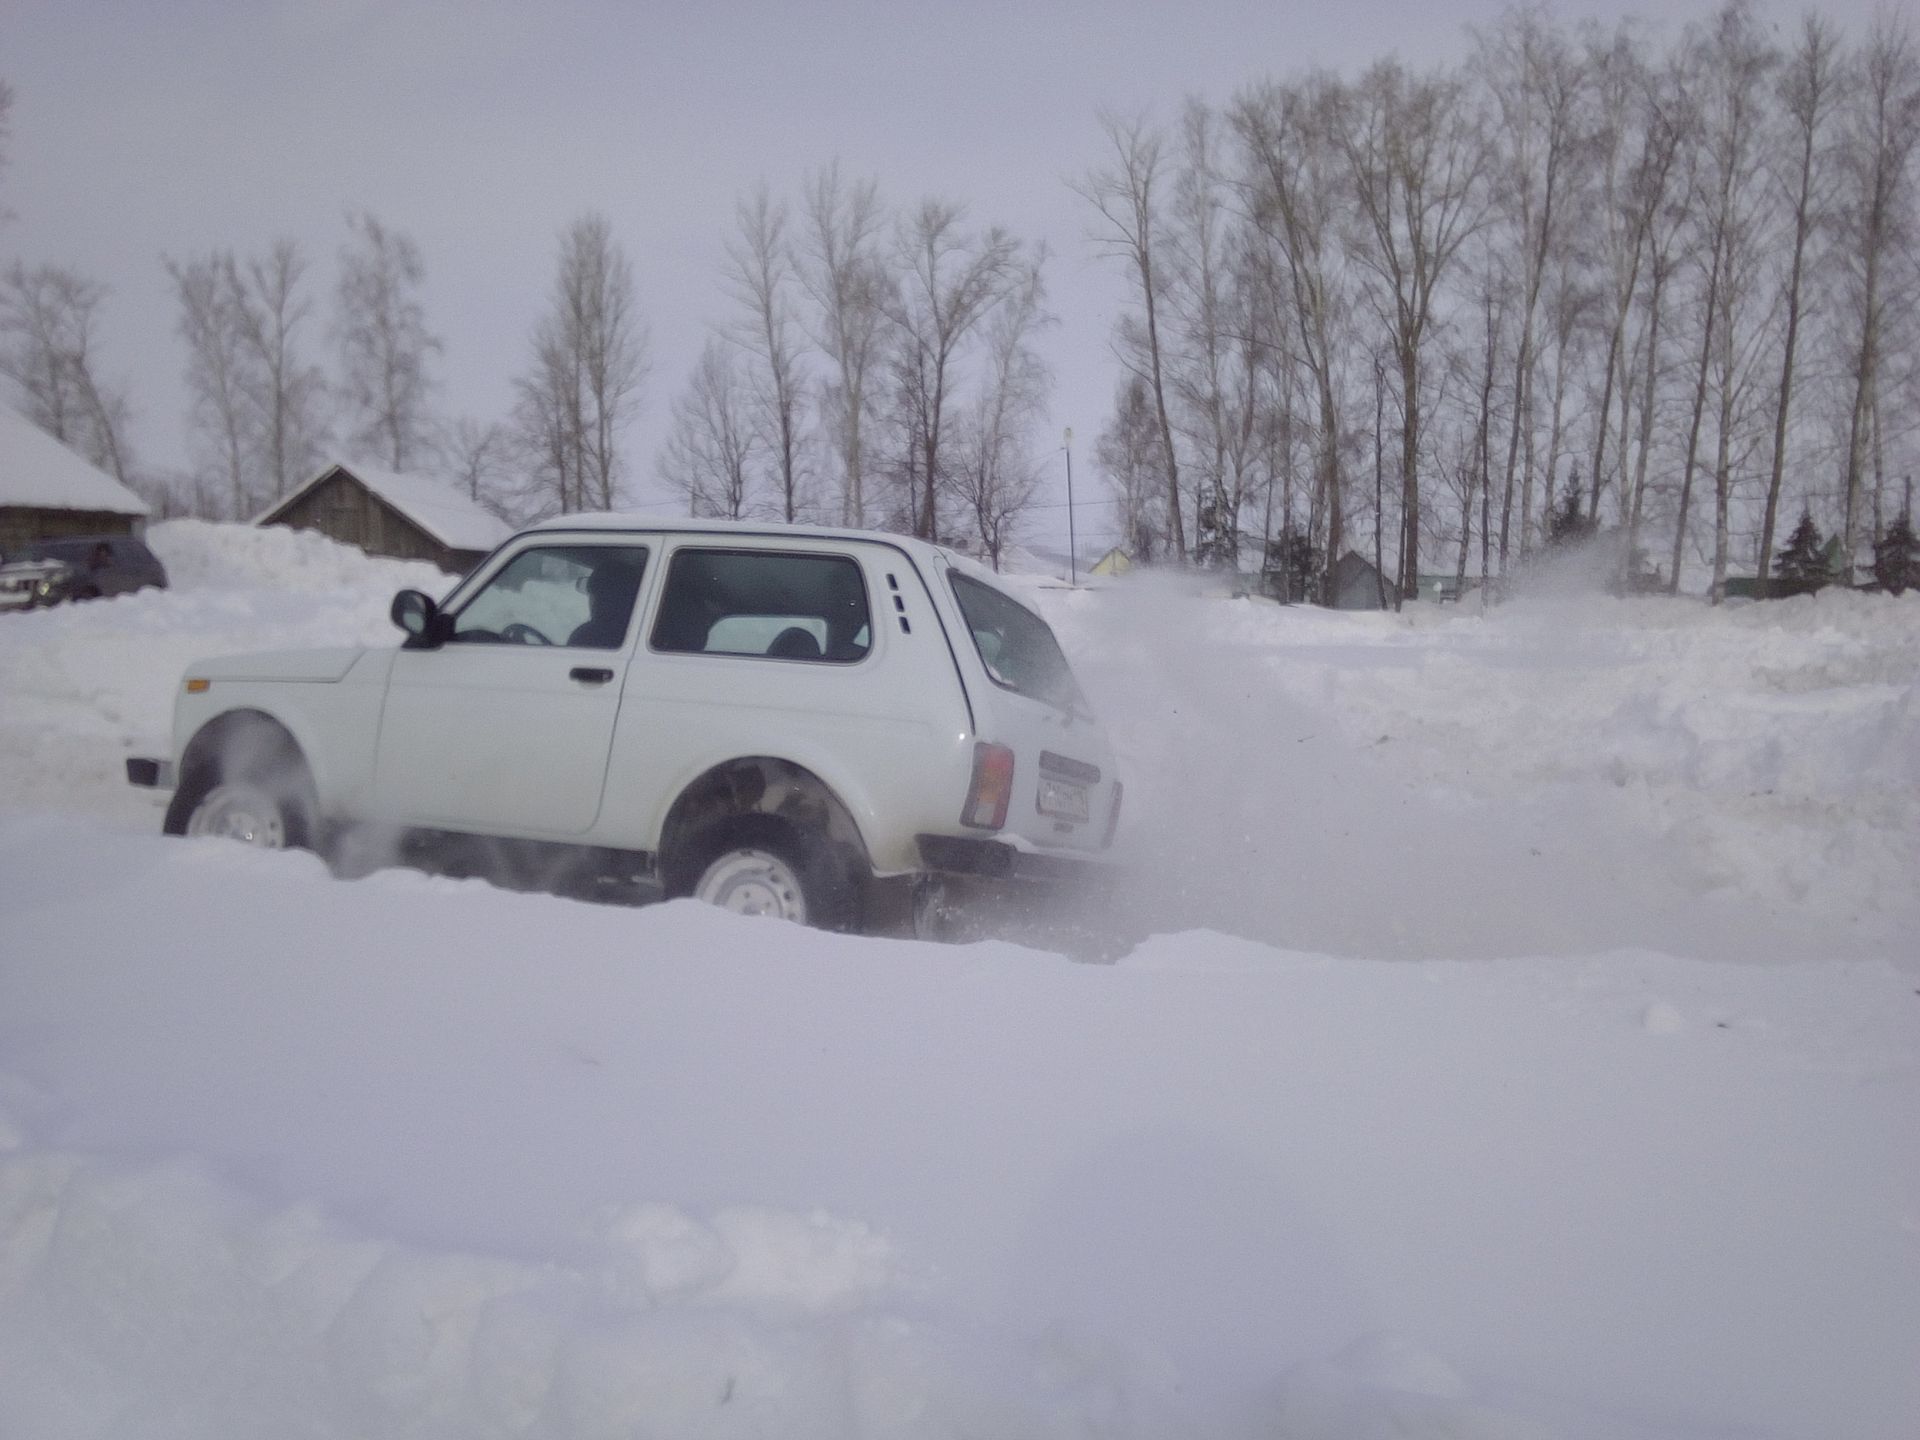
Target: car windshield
[73, 551]
[1015, 645]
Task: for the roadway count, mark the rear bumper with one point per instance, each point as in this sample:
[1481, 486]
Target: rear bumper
[982, 859]
[149, 774]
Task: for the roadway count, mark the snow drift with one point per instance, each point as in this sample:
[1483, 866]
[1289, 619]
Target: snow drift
[1625, 1144]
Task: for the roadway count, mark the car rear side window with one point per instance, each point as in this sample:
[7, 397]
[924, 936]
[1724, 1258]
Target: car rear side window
[777, 605]
[1015, 645]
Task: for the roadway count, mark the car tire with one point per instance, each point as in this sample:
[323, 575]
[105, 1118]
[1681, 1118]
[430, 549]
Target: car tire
[762, 865]
[252, 786]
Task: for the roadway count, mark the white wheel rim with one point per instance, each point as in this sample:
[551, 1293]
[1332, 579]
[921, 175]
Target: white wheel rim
[240, 812]
[753, 882]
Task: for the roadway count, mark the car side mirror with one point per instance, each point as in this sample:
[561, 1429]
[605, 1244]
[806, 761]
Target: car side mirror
[415, 613]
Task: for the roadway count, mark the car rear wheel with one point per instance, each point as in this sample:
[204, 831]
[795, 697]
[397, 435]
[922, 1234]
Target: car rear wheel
[753, 881]
[761, 865]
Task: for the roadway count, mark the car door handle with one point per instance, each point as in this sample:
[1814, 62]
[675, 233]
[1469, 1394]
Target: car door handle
[587, 675]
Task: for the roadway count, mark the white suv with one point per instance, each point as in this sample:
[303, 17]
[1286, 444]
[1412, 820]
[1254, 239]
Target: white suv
[818, 724]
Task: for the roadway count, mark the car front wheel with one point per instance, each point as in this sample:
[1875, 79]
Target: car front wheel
[249, 784]
[241, 811]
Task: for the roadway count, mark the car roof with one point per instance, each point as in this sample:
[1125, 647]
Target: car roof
[636, 520]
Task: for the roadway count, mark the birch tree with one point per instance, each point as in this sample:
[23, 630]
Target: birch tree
[759, 274]
[385, 345]
[1295, 194]
[286, 390]
[49, 318]
[950, 282]
[845, 274]
[714, 443]
[583, 386]
[1881, 132]
[1415, 155]
[997, 477]
[1123, 196]
[1538, 88]
[222, 433]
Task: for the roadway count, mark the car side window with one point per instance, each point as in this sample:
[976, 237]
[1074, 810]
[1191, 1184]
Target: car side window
[770, 604]
[575, 595]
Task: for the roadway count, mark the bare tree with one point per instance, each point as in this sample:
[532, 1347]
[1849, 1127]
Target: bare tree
[759, 272]
[1130, 455]
[1221, 353]
[221, 429]
[477, 456]
[1296, 195]
[710, 452]
[845, 275]
[1415, 153]
[951, 282]
[49, 316]
[1881, 132]
[1538, 88]
[1806, 93]
[385, 346]
[1123, 196]
[1735, 61]
[287, 392]
[997, 477]
[590, 359]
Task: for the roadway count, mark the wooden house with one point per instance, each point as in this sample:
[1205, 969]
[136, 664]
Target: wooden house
[402, 517]
[48, 490]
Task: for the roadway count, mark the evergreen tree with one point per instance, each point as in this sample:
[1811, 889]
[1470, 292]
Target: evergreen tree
[1567, 525]
[1801, 568]
[1293, 566]
[1896, 557]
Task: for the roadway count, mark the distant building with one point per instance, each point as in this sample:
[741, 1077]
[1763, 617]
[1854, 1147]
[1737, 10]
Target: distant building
[1115, 562]
[1443, 589]
[401, 517]
[48, 490]
[1358, 586]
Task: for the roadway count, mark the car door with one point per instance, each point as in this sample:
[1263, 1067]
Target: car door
[505, 727]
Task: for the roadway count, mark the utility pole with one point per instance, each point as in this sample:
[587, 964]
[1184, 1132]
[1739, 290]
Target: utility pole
[1073, 574]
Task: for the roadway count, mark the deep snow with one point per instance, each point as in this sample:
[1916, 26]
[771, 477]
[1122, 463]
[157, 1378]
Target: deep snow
[1624, 1141]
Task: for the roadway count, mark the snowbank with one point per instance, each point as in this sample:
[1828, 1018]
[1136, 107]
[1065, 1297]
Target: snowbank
[282, 1154]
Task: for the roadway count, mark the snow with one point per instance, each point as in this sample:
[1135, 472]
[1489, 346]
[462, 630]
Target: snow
[36, 470]
[1515, 1032]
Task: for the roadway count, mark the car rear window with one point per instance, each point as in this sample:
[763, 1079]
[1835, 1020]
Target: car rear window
[1015, 645]
[774, 604]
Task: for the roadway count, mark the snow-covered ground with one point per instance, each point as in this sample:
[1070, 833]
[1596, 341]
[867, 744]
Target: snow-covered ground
[1516, 1033]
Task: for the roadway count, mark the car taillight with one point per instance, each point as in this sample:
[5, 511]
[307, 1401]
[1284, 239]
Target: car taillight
[992, 788]
[1113, 817]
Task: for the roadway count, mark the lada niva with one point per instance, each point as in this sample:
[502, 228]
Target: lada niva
[838, 727]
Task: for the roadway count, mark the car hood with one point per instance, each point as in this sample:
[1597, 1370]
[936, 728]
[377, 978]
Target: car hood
[312, 666]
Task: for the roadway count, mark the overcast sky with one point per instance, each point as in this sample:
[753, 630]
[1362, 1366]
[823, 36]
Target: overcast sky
[481, 128]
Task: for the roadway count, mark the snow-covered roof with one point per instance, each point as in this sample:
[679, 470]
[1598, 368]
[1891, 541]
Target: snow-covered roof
[38, 471]
[435, 506]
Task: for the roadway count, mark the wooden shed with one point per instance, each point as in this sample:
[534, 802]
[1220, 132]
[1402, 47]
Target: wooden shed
[48, 490]
[402, 517]
[1358, 586]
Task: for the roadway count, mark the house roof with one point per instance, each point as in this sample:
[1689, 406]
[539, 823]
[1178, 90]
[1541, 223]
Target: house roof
[40, 473]
[436, 507]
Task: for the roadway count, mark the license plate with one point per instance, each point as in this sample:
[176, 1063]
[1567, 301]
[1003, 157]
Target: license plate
[1063, 801]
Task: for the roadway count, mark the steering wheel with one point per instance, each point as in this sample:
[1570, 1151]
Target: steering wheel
[519, 633]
